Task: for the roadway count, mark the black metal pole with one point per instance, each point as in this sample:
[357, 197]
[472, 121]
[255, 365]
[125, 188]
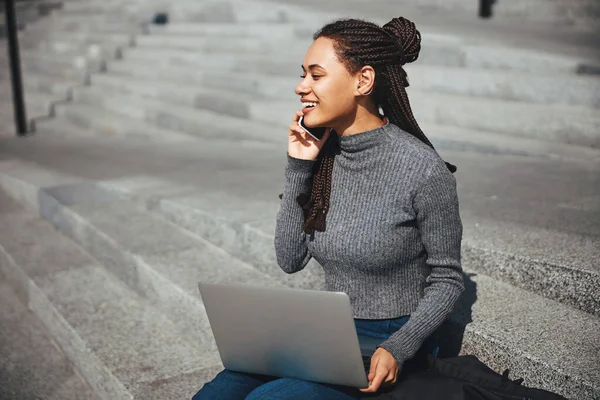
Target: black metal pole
[485, 8]
[15, 67]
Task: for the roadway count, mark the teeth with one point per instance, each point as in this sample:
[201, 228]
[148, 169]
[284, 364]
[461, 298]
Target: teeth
[310, 104]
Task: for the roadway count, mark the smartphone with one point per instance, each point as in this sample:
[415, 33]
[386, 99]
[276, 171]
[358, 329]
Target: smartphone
[316, 133]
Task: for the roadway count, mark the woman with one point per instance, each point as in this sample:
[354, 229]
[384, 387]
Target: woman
[372, 202]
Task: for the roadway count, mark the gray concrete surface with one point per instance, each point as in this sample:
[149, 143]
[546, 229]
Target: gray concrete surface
[31, 364]
[111, 335]
[525, 34]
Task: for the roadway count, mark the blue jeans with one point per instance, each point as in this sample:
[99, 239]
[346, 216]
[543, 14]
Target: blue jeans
[232, 385]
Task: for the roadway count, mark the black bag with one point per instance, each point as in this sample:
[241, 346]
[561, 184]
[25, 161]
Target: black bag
[461, 378]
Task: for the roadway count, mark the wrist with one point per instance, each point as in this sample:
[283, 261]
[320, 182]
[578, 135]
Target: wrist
[299, 164]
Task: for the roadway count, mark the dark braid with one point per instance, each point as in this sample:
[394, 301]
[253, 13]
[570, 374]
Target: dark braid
[386, 49]
[315, 208]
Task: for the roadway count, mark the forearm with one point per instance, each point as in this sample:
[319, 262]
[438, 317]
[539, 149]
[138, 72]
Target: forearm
[433, 309]
[290, 241]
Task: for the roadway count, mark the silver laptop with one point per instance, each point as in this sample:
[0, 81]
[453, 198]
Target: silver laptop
[291, 333]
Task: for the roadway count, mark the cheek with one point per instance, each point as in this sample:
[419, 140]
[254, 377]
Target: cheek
[336, 97]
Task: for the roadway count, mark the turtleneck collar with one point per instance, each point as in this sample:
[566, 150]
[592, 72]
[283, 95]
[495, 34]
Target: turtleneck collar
[364, 140]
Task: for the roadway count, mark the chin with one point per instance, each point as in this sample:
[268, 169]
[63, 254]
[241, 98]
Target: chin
[314, 122]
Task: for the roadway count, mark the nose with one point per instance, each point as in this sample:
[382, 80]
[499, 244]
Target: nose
[302, 89]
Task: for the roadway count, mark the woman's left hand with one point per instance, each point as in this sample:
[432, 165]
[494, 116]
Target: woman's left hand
[384, 369]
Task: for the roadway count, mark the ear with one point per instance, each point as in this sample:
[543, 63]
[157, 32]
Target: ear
[365, 79]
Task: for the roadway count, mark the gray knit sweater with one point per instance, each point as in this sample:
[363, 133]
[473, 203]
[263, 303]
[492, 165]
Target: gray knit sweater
[393, 235]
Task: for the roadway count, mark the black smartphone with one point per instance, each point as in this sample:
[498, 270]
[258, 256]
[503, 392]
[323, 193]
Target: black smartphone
[316, 133]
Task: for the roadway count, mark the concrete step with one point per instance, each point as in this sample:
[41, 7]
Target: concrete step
[528, 334]
[78, 37]
[565, 124]
[34, 82]
[32, 366]
[89, 7]
[41, 104]
[109, 124]
[215, 44]
[93, 46]
[267, 31]
[59, 127]
[116, 338]
[69, 127]
[83, 24]
[228, 61]
[548, 88]
[578, 12]
[28, 12]
[62, 127]
[87, 23]
[64, 66]
[36, 105]
[235, 12]
[94, 52]
[124, 113]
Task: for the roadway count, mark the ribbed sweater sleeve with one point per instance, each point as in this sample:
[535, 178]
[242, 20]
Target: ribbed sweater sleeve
[290, 241]
[438, 220]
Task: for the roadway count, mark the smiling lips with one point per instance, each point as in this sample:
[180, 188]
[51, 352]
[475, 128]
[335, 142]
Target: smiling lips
[309, 106]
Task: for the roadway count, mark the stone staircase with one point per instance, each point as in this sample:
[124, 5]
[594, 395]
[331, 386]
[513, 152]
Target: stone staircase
[27, 12]
[161, 154]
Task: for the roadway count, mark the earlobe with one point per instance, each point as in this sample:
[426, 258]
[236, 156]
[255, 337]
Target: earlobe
[360, 87]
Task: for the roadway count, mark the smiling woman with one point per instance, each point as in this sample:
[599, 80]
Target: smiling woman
[372, 202]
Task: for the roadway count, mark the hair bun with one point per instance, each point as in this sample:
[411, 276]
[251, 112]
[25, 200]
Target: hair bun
[406, 33]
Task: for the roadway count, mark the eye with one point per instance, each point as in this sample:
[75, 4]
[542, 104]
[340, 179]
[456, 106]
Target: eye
[315, 77]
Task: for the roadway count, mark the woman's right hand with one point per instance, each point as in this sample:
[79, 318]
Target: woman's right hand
[300, 144]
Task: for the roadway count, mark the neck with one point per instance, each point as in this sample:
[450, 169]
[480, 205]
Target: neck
[362, 121]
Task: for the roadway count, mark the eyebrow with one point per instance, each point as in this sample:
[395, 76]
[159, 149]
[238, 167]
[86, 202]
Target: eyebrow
[312, 66]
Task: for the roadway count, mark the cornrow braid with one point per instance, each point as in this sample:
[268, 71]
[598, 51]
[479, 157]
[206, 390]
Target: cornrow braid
[358, 43]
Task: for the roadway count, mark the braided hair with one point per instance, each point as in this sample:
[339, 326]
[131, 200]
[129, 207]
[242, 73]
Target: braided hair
[358, 43]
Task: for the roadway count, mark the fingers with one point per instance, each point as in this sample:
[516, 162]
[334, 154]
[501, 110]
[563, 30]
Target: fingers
[296, 133]
[297, 116]
[378, 374]
[294, 127]
[375, 383]
[378, 380]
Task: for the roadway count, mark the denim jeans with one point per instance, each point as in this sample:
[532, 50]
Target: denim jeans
[232, 385]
